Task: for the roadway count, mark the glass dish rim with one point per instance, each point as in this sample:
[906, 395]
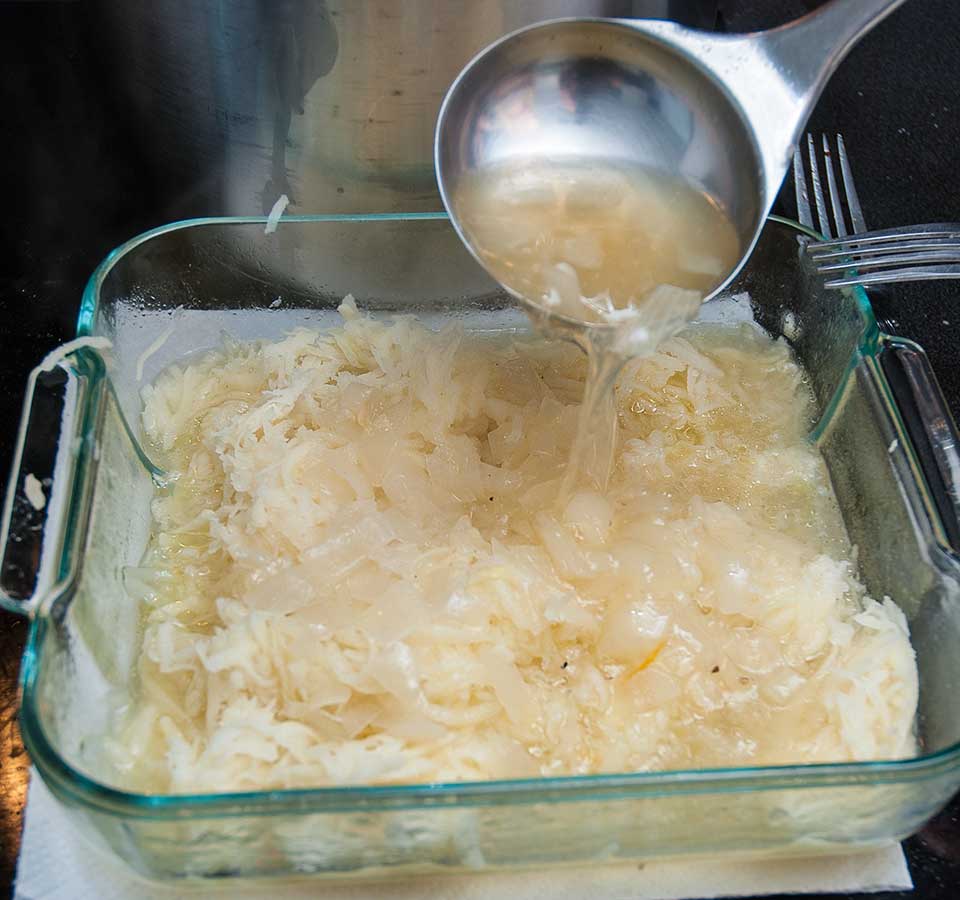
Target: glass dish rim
[67, 780]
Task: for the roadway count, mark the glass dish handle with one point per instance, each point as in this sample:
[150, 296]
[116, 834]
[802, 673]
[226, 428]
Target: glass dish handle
[47, 494]
[930, 426]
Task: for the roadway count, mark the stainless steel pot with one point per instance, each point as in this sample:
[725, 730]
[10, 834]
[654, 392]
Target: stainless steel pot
[332, 103]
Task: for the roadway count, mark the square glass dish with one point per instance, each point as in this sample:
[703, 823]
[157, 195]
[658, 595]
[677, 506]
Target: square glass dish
[78, 513]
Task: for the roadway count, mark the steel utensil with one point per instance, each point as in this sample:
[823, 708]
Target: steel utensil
[332, 102]
[720, 111]
[843, 194]
[928, 252]
[817, 217]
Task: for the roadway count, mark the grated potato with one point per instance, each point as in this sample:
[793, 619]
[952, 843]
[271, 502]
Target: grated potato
[361, 573]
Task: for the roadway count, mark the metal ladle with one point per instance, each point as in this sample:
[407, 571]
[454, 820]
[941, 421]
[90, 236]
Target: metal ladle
[721, 111]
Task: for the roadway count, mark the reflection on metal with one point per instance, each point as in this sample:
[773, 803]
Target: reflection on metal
[719, 112]
[333, 103]
[302, 45]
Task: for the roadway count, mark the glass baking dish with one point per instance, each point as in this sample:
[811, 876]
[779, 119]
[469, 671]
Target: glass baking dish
[880, 423]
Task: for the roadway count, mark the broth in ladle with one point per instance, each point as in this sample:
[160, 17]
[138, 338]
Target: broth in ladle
[630, 249]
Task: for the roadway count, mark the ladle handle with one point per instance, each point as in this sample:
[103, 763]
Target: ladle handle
[776, 76]
[808, 50]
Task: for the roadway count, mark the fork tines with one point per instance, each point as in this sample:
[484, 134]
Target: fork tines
[892, 247]
[831, 209]
[855, 255]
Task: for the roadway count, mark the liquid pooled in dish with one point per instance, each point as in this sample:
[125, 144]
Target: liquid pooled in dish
[361, 573]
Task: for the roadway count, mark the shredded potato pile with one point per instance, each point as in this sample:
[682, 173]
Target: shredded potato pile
[361, 572]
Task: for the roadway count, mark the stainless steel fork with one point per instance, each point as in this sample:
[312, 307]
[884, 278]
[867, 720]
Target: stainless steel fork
[916, 253]
[822, 224]
[850, 251]
[876, 260]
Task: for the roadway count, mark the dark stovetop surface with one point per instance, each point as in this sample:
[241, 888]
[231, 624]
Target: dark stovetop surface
[75, 185]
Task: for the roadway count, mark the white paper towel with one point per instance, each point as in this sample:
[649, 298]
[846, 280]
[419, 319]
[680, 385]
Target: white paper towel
[56, 865]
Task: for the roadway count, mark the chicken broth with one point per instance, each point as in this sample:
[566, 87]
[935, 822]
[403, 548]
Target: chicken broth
[599, 246]
[630, 249]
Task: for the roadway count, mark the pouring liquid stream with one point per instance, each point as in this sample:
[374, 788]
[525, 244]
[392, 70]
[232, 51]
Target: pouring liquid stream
[617, 260]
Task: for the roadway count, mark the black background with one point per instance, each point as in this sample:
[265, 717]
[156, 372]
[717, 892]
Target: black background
[74, 183]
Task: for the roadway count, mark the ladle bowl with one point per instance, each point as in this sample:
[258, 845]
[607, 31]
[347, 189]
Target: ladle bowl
[721, 112]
